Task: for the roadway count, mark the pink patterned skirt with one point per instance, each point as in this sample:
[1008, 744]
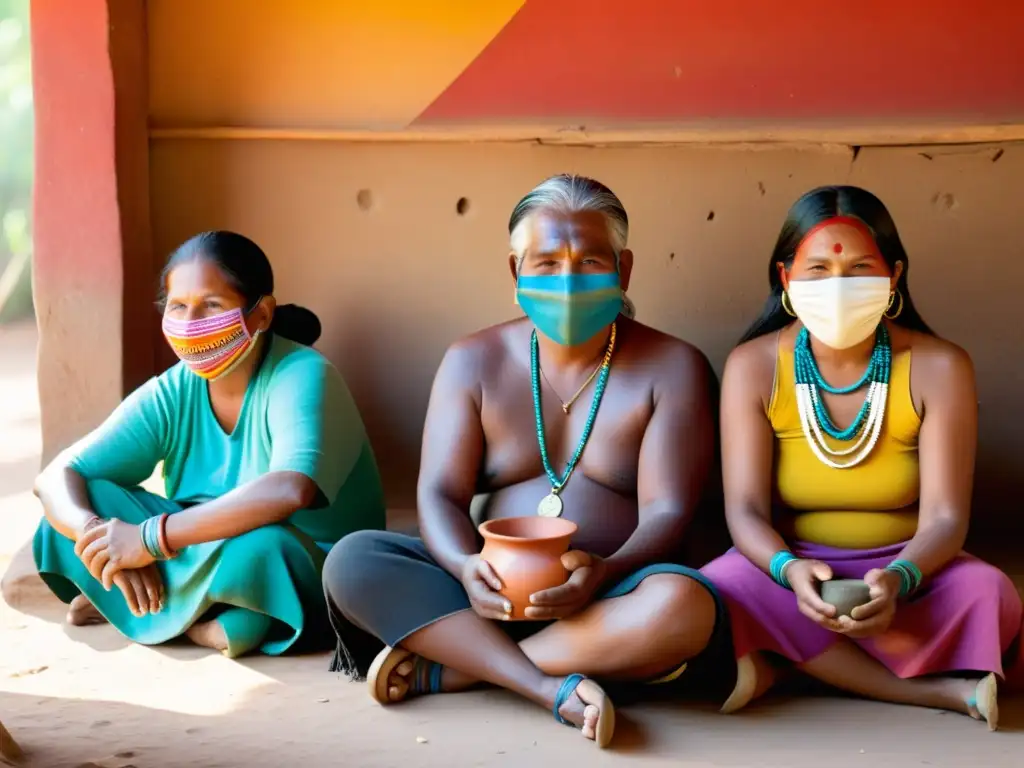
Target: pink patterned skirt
[965, 618]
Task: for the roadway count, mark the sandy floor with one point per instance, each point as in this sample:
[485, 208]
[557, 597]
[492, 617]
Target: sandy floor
[75, 697]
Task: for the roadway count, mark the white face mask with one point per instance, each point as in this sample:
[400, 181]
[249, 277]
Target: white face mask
[840, 312]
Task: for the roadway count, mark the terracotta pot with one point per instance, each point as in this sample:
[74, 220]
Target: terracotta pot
[845, 594]
[526, 553]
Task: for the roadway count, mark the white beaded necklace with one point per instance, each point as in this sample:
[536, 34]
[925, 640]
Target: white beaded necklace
[806, 395]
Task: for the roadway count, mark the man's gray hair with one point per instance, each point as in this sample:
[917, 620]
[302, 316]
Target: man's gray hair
[569, 193]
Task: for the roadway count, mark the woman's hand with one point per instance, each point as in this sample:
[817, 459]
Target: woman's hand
[482, 586]
[874, 618]
[586, 575]
[143, 589]
[112, 547]
[805, 577]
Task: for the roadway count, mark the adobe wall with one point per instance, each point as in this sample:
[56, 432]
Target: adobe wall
[369, 236]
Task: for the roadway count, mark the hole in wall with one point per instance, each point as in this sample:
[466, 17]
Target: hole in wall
[364, 199]
[462, 206]
[711, 215]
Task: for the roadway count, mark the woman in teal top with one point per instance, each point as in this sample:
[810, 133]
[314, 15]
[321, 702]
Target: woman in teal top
[266, 464]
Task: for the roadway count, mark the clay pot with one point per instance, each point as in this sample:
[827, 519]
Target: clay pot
[845, 594]
[526, 553]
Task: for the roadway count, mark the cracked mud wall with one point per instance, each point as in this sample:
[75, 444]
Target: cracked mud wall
[401, 249]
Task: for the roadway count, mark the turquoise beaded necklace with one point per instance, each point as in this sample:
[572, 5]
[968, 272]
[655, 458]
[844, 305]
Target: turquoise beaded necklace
[807, 372]
[552, 505]
[814, 416]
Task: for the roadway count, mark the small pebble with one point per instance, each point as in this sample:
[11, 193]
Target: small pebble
[420, 740]
[322, 701]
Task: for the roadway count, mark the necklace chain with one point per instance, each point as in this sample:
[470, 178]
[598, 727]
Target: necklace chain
[558, 483]
[568, 404]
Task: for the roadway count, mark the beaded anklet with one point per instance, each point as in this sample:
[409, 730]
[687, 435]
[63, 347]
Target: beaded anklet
[910, 576]
[778, 566]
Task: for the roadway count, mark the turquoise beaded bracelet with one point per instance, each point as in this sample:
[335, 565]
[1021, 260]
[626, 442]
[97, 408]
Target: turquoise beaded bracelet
[910, 576]
[150, 532]
[780, 561]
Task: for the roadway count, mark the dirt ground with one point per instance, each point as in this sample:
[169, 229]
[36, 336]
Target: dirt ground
[86, 697]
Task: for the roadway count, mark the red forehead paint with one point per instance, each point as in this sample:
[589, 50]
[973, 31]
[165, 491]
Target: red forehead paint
[850, 221]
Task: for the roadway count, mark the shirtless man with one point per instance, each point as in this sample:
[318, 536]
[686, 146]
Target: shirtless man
[626, 613]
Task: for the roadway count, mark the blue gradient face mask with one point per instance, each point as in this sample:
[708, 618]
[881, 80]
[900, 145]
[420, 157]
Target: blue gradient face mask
[570, 309]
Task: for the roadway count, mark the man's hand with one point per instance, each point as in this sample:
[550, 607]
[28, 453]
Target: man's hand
[482, 586]
[143, 590]
[586, 575]
[111, 547]
[875, 617]
[805, 577]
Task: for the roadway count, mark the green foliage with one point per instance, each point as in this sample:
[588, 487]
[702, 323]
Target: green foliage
[16, 164]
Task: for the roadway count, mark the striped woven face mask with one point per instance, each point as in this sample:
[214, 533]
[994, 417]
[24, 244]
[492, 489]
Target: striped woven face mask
[211, 347]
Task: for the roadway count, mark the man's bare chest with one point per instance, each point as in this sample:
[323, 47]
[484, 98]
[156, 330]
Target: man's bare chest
[610, 455]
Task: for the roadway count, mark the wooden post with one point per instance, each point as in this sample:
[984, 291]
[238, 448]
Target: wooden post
[92, 268]
[10, 752]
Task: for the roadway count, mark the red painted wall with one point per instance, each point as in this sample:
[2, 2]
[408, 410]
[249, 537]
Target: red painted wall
[624, 61]
[75, 188]
[77, 268]
[91, 210]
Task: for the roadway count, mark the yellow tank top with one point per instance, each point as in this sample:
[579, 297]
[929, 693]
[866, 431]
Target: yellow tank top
[870, 505]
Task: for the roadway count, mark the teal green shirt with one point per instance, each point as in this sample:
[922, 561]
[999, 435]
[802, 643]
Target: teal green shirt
[297, 416]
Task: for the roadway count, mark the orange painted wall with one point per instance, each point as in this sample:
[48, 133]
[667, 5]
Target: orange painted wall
[311, 63]
[388, 64]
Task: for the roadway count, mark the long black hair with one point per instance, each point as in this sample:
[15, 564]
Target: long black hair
[247, 269]
[811, 209]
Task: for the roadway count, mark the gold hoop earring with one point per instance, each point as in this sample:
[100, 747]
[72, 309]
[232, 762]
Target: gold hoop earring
[787, 305]
[892, 300]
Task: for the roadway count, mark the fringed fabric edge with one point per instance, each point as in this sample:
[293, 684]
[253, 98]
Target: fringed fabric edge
[355, 649]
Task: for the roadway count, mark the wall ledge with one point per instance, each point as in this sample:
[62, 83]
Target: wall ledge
[839, 137]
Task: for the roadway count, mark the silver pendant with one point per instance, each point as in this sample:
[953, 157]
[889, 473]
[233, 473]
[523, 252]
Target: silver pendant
[550, 506]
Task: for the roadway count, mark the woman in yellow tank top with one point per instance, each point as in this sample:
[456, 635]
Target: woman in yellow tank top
[848, 442]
